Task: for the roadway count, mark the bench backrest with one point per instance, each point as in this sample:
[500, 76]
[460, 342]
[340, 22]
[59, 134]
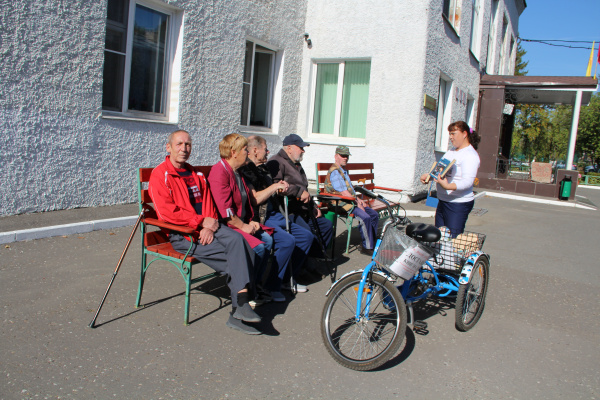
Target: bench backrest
[356, 171]
[144, 177]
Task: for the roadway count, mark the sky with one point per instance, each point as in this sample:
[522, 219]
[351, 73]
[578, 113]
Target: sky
[560, 20]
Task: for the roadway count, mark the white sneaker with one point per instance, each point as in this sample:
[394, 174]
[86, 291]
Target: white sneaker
[298, 288]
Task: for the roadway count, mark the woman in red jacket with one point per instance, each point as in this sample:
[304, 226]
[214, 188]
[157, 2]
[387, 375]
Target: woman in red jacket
[233, 198]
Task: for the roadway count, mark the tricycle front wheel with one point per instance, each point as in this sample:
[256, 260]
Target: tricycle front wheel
[367, 342]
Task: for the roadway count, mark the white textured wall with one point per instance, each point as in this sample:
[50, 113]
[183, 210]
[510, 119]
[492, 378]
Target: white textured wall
[448, 54]
[392, 35]
[55, 151]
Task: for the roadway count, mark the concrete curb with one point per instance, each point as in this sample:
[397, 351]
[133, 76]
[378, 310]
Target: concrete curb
[67, 229]
[83, 227]
[535, 200]
[420, 213]
[588, 187]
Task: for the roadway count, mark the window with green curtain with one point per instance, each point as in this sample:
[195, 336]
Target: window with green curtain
[355, 99]
[325, 98]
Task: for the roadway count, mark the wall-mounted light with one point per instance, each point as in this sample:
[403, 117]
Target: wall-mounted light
[307, 40]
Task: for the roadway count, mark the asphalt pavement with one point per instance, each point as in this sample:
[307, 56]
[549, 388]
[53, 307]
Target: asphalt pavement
[537, 339]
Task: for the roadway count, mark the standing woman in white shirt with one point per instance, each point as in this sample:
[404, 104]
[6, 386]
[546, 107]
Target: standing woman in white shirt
[455, 190]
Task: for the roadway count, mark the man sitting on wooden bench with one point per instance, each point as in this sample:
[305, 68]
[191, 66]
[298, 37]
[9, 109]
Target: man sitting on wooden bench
[338, 181]
[182, 197]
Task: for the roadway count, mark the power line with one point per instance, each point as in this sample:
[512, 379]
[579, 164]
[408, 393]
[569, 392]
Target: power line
[557, 40]
[558, 45]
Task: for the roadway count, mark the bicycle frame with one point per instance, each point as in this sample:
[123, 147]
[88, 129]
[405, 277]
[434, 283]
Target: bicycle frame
[451, 286]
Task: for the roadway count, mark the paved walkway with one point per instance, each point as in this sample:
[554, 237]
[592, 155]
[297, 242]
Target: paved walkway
[537, 339]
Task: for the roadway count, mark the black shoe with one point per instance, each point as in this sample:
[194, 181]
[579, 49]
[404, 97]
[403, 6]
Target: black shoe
[306, 276]
[238, 325]
[368, 252]
[246, 314]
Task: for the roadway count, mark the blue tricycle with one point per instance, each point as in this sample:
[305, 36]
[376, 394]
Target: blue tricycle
[365, 316]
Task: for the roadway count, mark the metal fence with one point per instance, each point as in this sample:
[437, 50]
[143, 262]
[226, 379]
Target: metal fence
[591, 180]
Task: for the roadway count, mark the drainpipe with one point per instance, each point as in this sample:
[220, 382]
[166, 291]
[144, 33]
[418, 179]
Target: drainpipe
[574, 125]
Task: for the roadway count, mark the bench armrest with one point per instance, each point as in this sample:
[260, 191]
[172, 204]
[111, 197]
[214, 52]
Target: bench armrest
[389, 189]
[162, 224]
[346, 198]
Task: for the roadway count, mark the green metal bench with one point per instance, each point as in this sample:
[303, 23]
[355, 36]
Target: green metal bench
[360, 174]
[156, 244]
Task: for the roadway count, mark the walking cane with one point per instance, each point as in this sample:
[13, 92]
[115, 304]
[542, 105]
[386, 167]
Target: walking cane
[287, 229]
[137, 223]
[287, 219]
[321, 241]
[318, 235]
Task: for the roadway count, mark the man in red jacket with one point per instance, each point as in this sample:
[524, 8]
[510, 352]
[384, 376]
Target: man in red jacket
[181, 196]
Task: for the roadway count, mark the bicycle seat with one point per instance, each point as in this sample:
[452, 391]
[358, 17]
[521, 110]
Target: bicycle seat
[423, 232]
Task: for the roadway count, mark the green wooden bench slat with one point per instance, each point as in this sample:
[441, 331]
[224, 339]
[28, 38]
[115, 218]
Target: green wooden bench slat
[356, 171]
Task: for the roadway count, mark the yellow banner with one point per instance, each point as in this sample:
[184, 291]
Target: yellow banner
[589, 68]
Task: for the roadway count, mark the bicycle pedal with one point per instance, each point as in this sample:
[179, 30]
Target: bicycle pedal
[420, 325]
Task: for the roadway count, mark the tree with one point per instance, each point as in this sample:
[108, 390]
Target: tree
[588, 132]
[560, 130]
[532, 136]
[541, 131]
[520, 64]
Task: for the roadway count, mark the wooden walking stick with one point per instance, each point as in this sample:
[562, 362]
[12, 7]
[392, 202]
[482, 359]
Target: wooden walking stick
[137, 223]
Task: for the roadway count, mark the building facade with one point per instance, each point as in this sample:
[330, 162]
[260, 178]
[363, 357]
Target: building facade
[432, 51]
[91, 89]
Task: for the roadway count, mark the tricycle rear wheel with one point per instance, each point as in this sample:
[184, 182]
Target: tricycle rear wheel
[470, 299]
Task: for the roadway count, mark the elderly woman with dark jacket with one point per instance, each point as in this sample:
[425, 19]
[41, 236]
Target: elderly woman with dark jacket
[233, 198]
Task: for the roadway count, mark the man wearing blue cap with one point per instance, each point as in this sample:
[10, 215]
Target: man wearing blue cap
[285, 165]
[338, 181]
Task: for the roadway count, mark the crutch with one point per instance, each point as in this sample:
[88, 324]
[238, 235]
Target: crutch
[287, 229]
[137, 223]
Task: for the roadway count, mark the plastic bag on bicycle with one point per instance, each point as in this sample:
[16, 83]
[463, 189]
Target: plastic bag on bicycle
[400, 254]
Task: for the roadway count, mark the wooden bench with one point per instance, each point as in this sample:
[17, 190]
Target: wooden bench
[360, 174]
[156, 243]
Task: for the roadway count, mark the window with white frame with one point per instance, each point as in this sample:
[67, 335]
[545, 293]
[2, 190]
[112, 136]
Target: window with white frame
[341, 98]
[476, 25]
[470, 117]
[139, 53]
[503, 48]
[491, 53]
[452, 12]
[260, 73]
[443, 115]
[511, 57]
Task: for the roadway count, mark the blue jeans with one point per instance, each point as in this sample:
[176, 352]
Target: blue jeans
[302, 240]
[368, 222]
[262, 251]
[453, 215]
